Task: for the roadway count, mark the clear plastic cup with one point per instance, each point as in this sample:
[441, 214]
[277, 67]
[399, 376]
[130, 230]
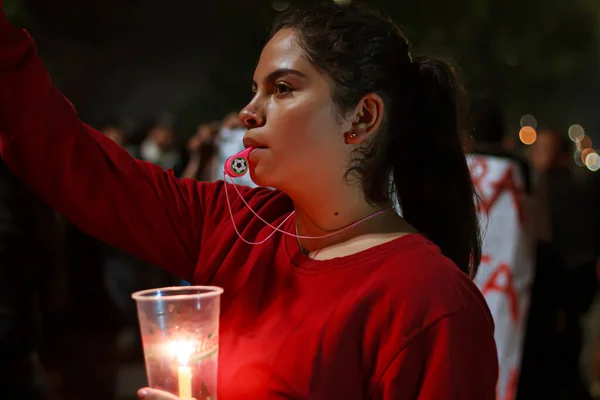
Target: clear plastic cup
[180, 336]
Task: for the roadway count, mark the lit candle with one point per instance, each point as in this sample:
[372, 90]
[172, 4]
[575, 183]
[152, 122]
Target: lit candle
[185, 382]
[183, 350]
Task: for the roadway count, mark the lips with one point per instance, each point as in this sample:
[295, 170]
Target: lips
[256, 150]
[250, 142]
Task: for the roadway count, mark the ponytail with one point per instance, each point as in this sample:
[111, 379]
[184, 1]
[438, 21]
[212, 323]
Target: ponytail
[431, 177]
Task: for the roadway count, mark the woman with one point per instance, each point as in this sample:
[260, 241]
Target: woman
[385, 309]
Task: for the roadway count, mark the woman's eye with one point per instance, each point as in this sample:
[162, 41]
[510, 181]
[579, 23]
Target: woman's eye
[281, 88]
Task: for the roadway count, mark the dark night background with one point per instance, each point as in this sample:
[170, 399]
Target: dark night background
[132, 59]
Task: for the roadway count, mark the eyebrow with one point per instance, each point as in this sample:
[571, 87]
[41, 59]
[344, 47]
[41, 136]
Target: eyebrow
[279, 73]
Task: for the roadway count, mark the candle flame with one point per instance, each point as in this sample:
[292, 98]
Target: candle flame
[183, 350]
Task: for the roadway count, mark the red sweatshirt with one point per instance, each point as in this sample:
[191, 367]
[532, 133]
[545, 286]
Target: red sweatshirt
[397, 321]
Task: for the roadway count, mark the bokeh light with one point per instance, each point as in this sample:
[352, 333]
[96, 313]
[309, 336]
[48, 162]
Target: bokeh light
[585, 153]
[585, 143]
[528, 120]
[576, 133]
[592, 161]
[527, 135]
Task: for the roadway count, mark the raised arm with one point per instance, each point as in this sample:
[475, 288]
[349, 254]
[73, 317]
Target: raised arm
[97, 185]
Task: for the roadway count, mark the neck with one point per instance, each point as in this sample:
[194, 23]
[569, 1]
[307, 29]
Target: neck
[320, 215]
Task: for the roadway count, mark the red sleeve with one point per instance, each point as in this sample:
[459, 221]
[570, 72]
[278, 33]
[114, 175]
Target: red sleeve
[453, 359]
[133, 205]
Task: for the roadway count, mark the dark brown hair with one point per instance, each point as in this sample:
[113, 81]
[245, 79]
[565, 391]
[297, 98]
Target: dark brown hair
[417, 157]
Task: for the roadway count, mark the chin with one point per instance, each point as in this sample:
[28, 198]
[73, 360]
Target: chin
[263, 178]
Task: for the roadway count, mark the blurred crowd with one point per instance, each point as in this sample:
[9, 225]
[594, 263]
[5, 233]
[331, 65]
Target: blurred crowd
[68, 324]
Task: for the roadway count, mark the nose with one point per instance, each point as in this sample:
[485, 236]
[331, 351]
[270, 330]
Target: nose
[251, 116]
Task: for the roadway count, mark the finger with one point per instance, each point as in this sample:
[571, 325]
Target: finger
[155, 394]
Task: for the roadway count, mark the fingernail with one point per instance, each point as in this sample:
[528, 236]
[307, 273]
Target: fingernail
[142, 393]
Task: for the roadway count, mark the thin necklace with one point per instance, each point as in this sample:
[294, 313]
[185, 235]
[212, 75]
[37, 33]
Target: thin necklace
[278, 227]
[305, 252]
[298, 240]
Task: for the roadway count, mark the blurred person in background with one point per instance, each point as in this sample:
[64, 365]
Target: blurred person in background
[113, 131]
[201, 152]
[574, 238]
[201, 155]
[116, 132]
[158, 147]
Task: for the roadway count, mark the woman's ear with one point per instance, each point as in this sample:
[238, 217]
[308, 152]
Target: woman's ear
[366, 119]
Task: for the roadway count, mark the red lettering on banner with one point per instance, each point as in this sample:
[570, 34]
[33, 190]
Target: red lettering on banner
[511, 386]
[507, 287]
[506, 183]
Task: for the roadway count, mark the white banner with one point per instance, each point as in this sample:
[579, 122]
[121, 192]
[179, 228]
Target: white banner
[506, 272]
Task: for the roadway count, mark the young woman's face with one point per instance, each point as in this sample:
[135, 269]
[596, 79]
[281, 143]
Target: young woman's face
[294, 122]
